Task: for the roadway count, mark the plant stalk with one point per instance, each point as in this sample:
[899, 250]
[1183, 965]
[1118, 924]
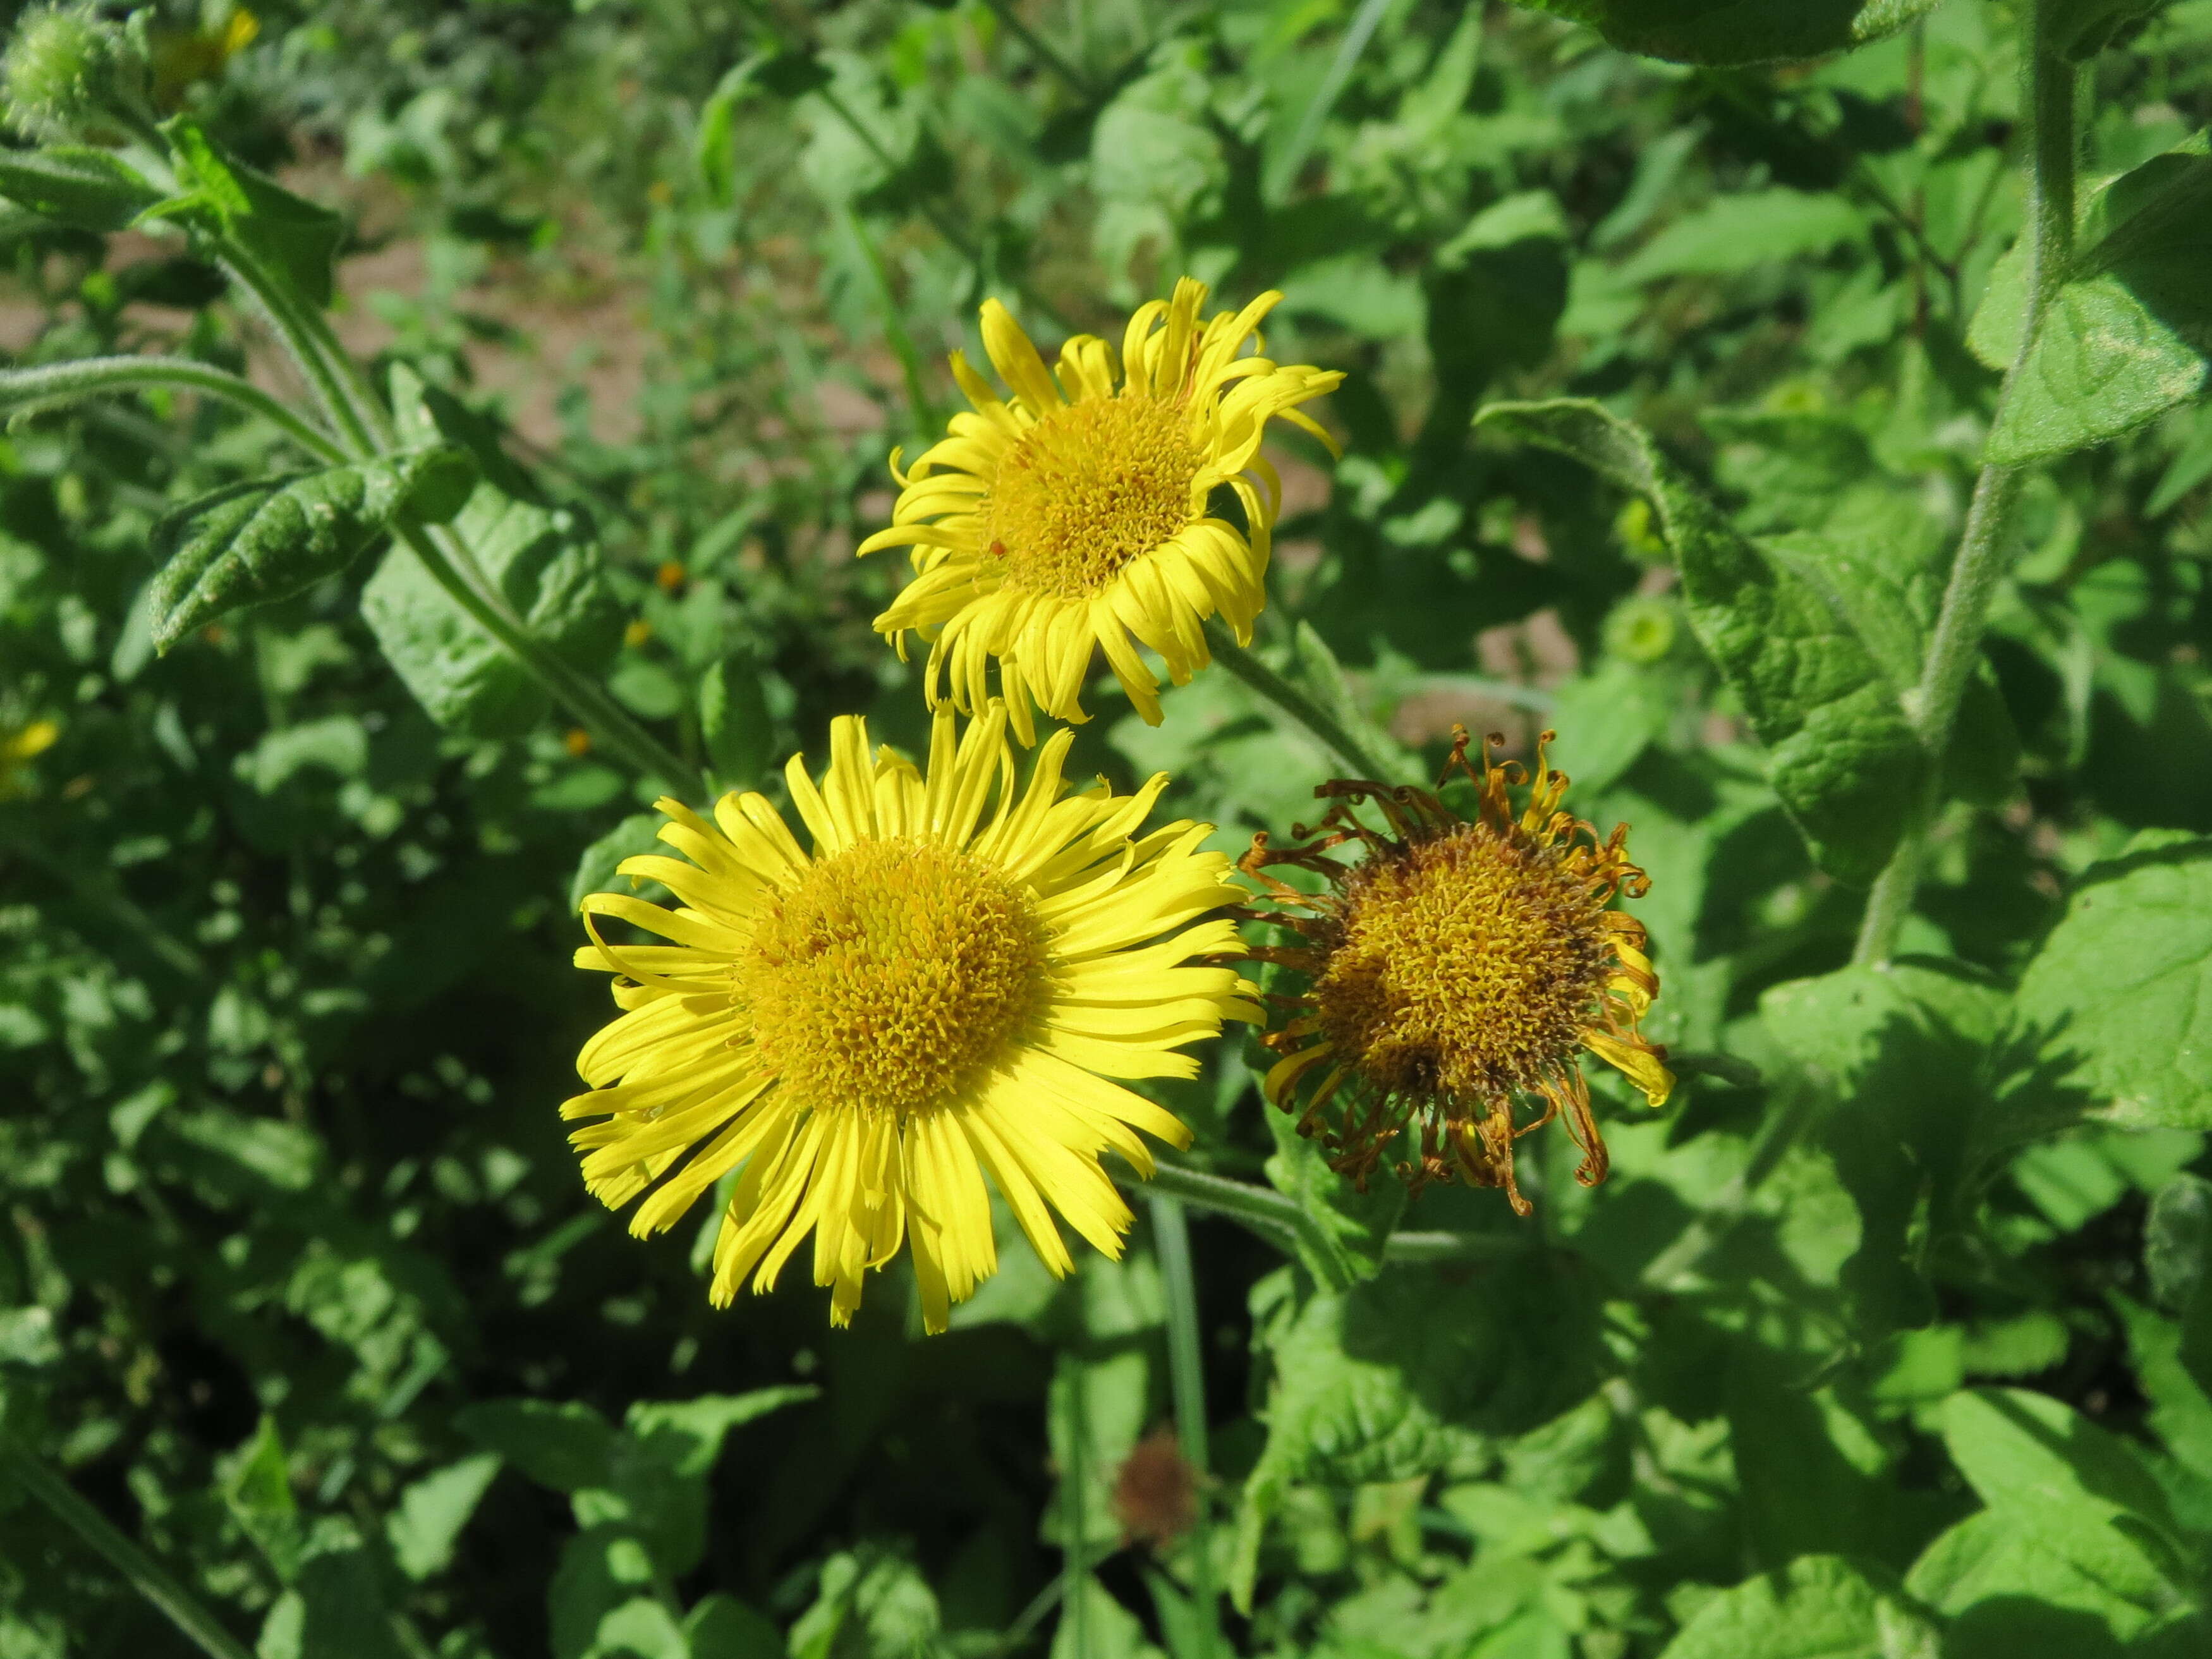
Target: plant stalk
[1331, 731]
[147, 1575]
[1187, 1374]
[1955, 647]
[31, 388]
[443, 556]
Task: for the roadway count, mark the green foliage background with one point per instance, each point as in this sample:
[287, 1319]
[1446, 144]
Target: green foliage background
[1891, 1337]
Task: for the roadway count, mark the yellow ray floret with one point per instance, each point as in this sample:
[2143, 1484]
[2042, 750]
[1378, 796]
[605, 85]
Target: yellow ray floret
[1074, 513]
[939, 995]
[1458, 968]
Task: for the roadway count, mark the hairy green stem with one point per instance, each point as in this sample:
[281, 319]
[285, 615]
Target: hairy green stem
[1331, 731]
[1955, 647]
[1186, 1377]
[34, 388]
[598, 713]
[352, 408]
[1278, 1219]
[147, 1575]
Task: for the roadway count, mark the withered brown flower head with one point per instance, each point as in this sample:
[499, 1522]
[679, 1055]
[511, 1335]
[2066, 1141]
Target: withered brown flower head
[1457, 971]
[1156, 1491]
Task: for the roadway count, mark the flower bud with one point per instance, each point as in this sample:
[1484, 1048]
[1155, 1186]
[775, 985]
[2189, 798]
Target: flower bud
[67, 70]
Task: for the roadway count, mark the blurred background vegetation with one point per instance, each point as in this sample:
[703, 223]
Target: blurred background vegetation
[299, 1287]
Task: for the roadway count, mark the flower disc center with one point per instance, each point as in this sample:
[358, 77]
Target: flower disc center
[891, 976]
[1466, 966]
[1088, 489]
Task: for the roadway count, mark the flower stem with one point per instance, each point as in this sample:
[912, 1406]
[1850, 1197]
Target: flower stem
[146, 1575]
[1301, 708]
[22, 389]
[1284, 1221]
[1187, 1374]
[1955, 645]
[443, 556]
[354, 410]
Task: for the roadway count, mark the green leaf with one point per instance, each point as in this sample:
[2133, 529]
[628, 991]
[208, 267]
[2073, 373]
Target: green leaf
[734, 722]
[2027, 1452]
[1415, 1372]
[1841, 756]
[250, 544]
[2103, 364]
[77, 186]
[657, 1470]
[872, 1604]
[2115, 1010]
[259, 1494]
[1743, 231]
[595, 872]
[722, 1627]
[288, 236]
[604, 1581]
[546, 560]
[431, 1512]
[1820, 1606]
[1355, 1225]
[1738, 31]
[2177, 1240]
[2124, 338]
[335, 1609]
[563, 1444]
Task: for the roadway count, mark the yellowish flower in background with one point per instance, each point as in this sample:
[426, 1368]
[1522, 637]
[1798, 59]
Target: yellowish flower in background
[1458, 968]
[1075, 514]
[20, 745]
[940, 992]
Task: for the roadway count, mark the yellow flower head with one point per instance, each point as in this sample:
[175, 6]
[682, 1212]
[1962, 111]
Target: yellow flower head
[940, 992]
[20, 745]
[1459, 967]
[1075, 512]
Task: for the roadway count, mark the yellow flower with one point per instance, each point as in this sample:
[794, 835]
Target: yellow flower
[940, 992]
[20, 745]
[1075, 514]
[1460, 966]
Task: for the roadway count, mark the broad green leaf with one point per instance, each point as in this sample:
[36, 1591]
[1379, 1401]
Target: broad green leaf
[259, 1494]
[1743, 231]
[2012, 1580]
[1738, 31]
[735, 723]
[1415, 1372]
[2124, 338]
[597, 870]
[77, 186]
[2181, 1410]
[289, 237]
[563, 1444]
[546, 561]
[335, 1608]
[2028, 1453]
[1841, 755]
[431, 1512]
[2103, 364]
[1820, 1606]
[2115, 1010]
[249, 543]
[722, 1627]
[657, 1469]
[1355, 1225]
[2081, 31]
[871, 1605]
[603, 1572]
[2177, 1240]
